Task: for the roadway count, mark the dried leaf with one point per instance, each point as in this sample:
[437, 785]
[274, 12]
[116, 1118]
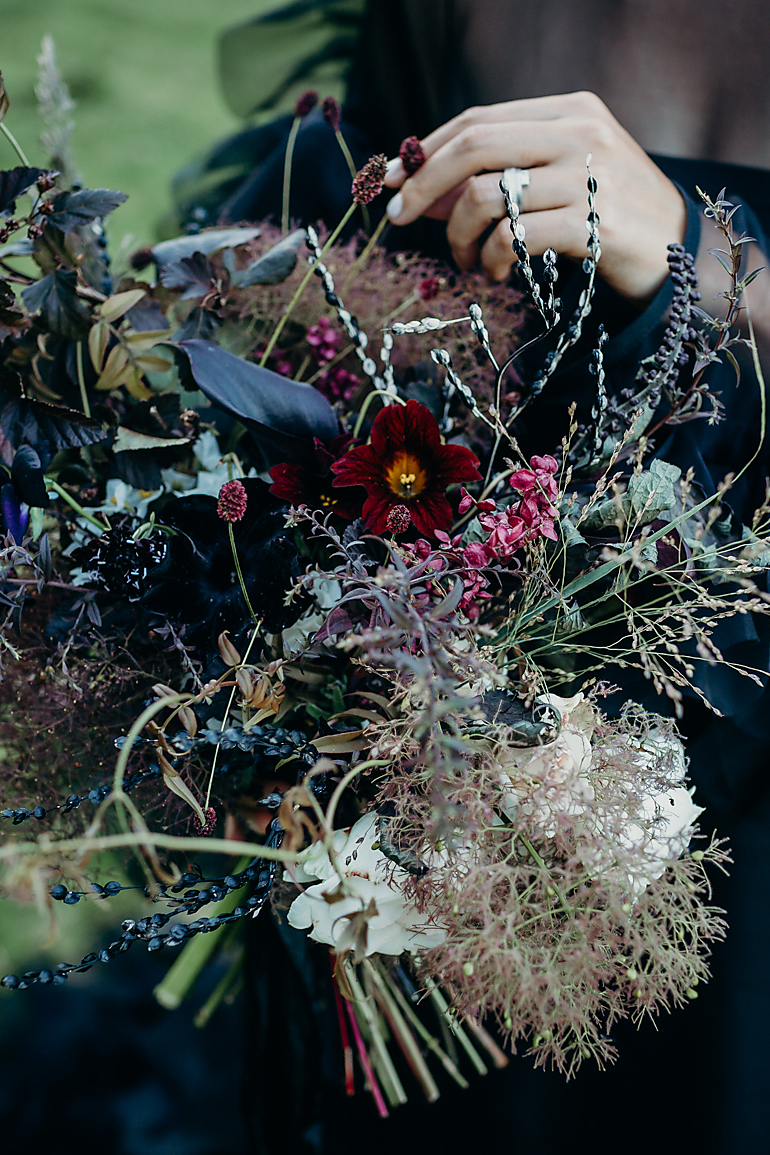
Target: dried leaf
[4, 101]
[178, 786]
[116, 369]
[127, 440]
[98, 340]
[118, 305]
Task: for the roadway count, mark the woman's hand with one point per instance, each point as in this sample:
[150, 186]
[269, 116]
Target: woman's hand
[641, 212]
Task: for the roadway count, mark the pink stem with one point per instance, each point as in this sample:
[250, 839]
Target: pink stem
[367, 1066]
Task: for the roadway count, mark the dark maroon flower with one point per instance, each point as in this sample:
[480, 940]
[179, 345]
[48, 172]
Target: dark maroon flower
[406, 464]
[429, 288]
[232, 501]
[399, 519]
[306, 103]
[312, 483]
[332, 112]
[412, 155]
[368, 182]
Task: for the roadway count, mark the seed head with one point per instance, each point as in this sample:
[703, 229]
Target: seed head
[332, 112]
[210, 815]
[232, 501]
[306, 103]
[412, 155]
[399, 519]
[368, 182]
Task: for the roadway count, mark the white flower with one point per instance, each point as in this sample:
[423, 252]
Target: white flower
[364, 886]
[668, 815]
[551, 778]
[123, 498]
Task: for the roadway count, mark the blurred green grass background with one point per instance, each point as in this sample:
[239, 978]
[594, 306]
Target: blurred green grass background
[143, 75]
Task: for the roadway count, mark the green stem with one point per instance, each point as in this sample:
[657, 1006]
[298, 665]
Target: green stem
[287, 172]
[180, 977]
[15, 144]
[239, 572]
[352, 169]
[301, 288]
[367, 252]
[82, 379]
[74, 504]
[229, 983]
[252, 640]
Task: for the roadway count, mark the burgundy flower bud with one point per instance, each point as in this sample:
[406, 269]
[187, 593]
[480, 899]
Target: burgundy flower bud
[412, 155]
[332, 112]
[232, 501]
[429, 288]
[141, 259]
[368, 182]
[306, 103]
[399, 519]
[45, 181]
[211, 819]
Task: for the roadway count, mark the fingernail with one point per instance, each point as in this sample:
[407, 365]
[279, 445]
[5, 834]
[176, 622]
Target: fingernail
[395, 169]
[395, 207]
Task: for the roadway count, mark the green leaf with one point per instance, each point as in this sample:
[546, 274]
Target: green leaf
[61, 309]
[651, 492]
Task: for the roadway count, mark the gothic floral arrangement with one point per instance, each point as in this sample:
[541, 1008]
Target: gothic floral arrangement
[279, 586]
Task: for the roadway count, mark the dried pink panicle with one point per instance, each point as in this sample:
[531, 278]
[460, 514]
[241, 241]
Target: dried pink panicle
[332, 113]
[399, 519]
[412, 155]
[232, 501]
[306, 103]
[208, 827]
[368, 182]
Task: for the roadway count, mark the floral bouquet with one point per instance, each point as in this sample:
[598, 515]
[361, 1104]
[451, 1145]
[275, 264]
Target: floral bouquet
[270, 532]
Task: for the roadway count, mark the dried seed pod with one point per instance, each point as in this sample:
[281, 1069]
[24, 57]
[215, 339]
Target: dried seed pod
[188, 719]
[227, 650]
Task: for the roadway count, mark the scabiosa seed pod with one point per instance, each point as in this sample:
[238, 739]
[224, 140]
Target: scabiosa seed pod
[306, 103]
[368, 182]
[399, 519]
[232, 501]
[412, 155]
[332, 113]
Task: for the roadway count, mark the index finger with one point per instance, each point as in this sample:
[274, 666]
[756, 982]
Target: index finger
[483, 148]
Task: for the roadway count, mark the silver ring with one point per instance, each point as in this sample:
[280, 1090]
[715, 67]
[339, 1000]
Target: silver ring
[516, 180]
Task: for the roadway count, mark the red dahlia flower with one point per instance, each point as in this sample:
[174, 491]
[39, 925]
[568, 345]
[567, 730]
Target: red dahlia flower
[405, 464]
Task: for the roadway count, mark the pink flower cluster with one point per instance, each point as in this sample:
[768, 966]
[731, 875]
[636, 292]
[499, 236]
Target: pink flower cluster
[515, 526]
[448, 555]
[507, 531]
[337, 384]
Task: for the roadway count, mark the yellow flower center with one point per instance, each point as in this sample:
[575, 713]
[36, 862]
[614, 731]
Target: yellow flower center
[405, 476]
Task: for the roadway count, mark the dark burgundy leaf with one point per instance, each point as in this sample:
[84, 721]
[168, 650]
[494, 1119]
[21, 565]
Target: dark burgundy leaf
[48, 428]
[4, 101]
[62, 310]
[275, 266]
[284, 416]
[73, 209]
[27, 477]
[192, 274]
[14, 182]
